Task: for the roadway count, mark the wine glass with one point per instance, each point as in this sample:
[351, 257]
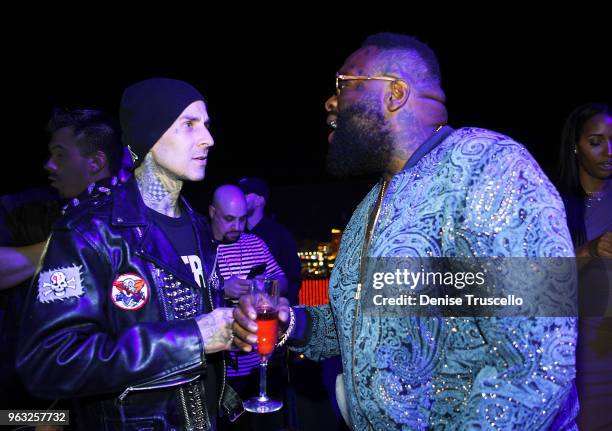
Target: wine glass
[264, 296]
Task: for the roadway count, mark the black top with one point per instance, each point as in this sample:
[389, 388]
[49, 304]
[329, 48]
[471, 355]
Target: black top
[179, 231]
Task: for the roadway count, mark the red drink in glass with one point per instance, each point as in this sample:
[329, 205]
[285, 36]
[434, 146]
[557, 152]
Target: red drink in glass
[264, 297]
[267, 330]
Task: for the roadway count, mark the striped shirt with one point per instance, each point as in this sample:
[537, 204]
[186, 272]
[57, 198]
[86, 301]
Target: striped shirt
[236, 260]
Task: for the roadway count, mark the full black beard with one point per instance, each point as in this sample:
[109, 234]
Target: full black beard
[362, 142]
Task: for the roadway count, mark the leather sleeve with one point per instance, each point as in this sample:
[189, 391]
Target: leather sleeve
[71, 343]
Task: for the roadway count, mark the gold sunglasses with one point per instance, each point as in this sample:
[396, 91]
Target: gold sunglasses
[342, 79]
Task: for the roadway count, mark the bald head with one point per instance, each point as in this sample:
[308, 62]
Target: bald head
[228, 213]
[228, 196]
[406, 56]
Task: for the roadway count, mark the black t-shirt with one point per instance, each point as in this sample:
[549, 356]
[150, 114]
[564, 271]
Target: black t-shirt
[181, 235]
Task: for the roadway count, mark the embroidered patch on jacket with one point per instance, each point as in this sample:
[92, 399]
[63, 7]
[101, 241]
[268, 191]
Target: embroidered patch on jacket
[130, 292]
[60, 284]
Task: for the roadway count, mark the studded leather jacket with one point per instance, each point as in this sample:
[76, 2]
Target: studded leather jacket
[109, 320]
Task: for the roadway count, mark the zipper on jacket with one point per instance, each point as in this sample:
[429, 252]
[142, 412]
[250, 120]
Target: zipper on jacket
[151, 385]
[208, 288]
[188, 424]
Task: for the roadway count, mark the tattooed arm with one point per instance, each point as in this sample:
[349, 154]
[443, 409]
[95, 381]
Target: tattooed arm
[216, 329]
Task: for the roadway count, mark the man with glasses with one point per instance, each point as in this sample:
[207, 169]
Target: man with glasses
[442, 192]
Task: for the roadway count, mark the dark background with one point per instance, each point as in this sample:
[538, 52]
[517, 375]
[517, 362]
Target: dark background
[266, 80]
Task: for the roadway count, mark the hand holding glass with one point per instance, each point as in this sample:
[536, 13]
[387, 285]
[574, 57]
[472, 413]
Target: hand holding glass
[264, 296]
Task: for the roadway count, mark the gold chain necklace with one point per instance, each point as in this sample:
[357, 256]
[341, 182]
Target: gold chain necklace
[593, 198]
[371, 224]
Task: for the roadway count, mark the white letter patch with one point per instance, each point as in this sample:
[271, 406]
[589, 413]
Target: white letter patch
[60, 284]
[130, 292]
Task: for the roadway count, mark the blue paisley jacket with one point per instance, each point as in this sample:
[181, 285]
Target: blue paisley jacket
[469, 192]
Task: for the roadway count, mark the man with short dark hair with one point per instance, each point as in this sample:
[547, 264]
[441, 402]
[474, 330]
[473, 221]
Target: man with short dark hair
[85, 145]
[85, 150]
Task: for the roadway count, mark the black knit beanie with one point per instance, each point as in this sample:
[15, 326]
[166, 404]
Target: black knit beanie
[148, 108]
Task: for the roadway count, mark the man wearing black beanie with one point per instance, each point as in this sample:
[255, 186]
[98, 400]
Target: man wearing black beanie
[120, 316]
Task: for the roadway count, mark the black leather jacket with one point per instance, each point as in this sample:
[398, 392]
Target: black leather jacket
[139, 368]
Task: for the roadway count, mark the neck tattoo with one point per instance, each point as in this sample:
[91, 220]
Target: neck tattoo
[160, 189]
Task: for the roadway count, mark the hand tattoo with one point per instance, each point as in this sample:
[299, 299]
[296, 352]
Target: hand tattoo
[216, 329]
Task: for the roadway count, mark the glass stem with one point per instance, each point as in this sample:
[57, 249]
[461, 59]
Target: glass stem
[263, 365]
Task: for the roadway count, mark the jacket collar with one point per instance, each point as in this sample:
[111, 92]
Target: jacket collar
[432, 142]
[96, 189]
[129, 210]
